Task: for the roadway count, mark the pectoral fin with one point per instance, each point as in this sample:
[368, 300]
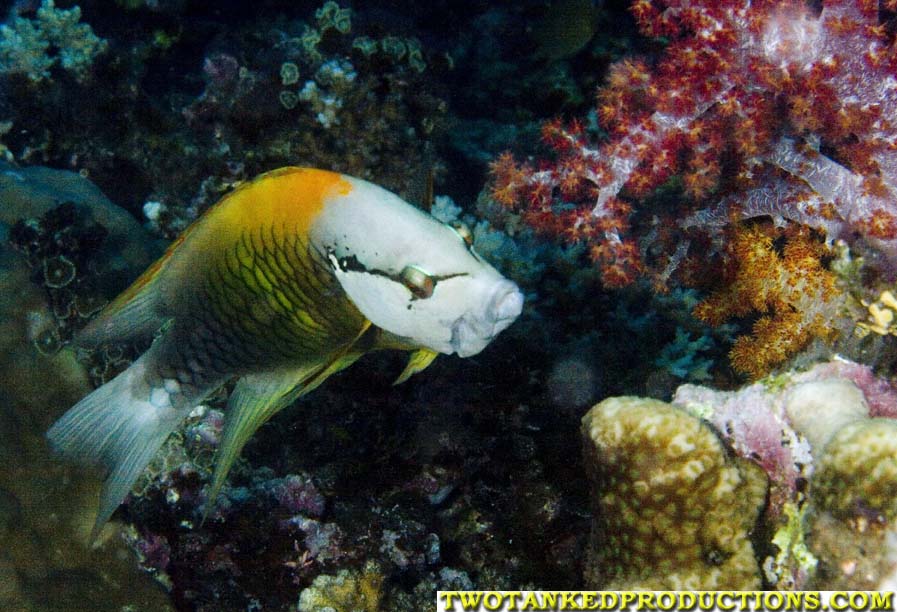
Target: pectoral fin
[418, 362]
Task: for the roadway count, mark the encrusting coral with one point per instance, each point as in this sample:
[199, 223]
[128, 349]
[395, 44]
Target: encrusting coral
[673, 511]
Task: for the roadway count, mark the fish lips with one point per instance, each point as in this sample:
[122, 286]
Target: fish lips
[472, 332]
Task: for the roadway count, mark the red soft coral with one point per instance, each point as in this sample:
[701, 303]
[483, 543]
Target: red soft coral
[763, 107]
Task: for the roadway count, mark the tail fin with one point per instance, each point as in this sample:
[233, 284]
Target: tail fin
[121, 426]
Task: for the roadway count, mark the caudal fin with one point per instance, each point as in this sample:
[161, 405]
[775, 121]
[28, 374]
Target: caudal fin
[121, 426]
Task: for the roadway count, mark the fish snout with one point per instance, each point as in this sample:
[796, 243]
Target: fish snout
[505, 306]
[471, 333]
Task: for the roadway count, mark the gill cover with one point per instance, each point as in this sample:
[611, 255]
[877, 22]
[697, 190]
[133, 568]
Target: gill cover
[412, 275]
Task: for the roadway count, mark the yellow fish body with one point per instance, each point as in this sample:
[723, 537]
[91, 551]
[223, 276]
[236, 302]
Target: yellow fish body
[287, 280]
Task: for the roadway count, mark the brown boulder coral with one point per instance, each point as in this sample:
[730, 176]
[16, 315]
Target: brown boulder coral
[857, 473]
[672, 510]
[854, 497]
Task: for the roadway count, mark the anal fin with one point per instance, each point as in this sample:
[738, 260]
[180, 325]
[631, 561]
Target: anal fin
[258, 397]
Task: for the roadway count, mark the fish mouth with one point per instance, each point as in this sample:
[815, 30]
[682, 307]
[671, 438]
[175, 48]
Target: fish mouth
[471, 333]
[467, 338]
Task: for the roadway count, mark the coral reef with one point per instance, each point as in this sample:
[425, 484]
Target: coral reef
[369, 472]
[395, 479]
[672, 511]
[735, 174]
[179, 143]
[340, 104]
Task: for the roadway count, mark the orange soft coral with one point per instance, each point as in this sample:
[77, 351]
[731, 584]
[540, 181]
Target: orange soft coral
[796, 296]
[509, 179]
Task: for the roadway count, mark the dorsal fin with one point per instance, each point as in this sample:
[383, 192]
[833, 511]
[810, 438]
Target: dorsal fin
[135, 312]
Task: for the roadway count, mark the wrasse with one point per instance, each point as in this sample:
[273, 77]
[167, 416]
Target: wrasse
[288, 279]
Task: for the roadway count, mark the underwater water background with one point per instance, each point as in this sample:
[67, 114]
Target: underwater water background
[696, 199]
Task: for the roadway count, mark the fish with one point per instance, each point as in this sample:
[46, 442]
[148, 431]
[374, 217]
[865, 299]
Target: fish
[288, 279]
[565, 29]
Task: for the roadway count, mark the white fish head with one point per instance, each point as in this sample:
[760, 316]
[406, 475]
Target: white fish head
[412, 275]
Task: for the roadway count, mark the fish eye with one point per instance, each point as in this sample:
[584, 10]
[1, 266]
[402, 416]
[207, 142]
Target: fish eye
[462, 230]
[419, 283]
